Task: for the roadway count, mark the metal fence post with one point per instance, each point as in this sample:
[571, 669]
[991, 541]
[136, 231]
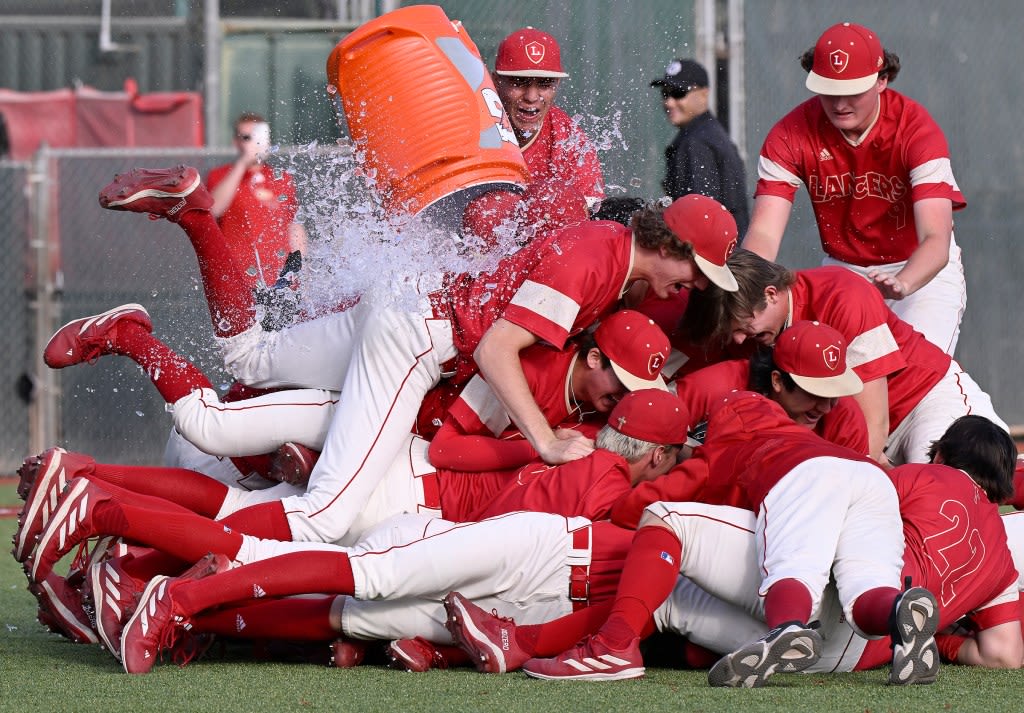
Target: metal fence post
[44, 413]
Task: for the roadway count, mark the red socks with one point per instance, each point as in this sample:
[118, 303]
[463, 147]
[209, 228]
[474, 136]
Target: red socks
[787, 600]
[194, 491]
[171, 374]
[294, 619]
[553, 637]
[286, 575]
[228, 289]
[872, 609]
[648, 576]
[266, 521]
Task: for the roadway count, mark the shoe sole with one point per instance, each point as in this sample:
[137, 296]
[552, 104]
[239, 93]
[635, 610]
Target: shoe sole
[155, 193]
[68, 504]
[486, 655]
[623, 675]
[79, 630]
[917, 616]
[48, 505]
[751, 666]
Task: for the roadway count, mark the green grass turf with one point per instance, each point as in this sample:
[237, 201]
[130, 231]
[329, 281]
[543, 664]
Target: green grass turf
[44, 672]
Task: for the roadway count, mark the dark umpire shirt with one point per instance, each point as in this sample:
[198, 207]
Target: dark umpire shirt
[703, 159]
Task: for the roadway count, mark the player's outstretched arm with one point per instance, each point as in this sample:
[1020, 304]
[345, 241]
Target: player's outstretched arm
[767, 224]
[498, 358]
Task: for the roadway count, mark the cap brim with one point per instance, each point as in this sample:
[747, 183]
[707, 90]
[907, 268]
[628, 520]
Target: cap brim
[635, 383]
[531, 73]
[831, 387]
[720, 275]
[839, 87]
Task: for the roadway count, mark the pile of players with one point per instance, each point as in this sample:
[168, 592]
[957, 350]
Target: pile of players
[527, 471]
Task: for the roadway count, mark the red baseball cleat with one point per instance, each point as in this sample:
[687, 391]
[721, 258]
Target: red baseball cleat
[71, 523]
[347, 653]
[115, 594]
[162, 192]
[89, 338]
[155, 626]
[489, 639]
[61, 610]
[590, 660]
[152, 628]
[415, 655]
[56, 467]
[292, 463]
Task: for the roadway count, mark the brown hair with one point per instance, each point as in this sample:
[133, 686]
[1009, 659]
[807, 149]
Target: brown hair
[710, 313]
[653, 233]
[890, 67]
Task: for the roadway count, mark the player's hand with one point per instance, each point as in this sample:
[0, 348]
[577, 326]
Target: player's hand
[568, 445]
[891, 287]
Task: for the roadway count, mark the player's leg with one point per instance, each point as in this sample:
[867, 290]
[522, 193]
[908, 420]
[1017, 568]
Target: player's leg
[956, 395]
[396, 361]
[178, 195]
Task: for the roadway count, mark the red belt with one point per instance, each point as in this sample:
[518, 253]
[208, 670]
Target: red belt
[579, 574]
[431, 491]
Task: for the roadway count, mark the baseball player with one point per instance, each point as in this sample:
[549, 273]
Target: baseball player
[386, 358]
[758, 459]
[565, 175]
[642, 443]
[912, 390]
[877, 171]
[790, 374]
[955, 546]
[626, 351]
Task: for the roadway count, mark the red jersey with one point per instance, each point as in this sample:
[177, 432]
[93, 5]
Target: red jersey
[863, 196]
[565, 182]
[553, 288]
[255, 224]
[956, 548]
[699, 390]
[751, 445]
[880, 343]
[478, 412]
[586, 487]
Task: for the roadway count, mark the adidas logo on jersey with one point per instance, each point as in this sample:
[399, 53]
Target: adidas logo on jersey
[824, 155]
[239, 622]
[258, 591]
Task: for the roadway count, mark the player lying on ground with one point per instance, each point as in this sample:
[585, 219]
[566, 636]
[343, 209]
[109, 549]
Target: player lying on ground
[912, 389]
[952, 532]
[640, 443]
[385, 358]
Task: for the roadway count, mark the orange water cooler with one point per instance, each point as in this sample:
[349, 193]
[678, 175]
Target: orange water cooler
[422, 110]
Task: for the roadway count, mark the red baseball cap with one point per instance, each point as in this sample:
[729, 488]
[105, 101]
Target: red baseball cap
[814, 354]
[636, 347]
[653, 416]
[847, 59]
[710, 228]
[529, 53]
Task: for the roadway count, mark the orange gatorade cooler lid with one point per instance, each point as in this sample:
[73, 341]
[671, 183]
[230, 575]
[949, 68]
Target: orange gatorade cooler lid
[422, 110]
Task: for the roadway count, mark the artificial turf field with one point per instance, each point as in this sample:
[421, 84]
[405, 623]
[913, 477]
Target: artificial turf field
[40, 671]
